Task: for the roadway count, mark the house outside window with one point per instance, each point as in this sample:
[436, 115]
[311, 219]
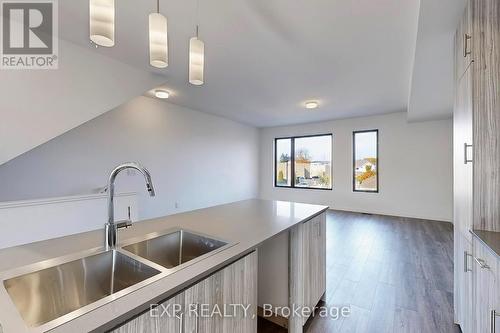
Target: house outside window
[365, 161]
[304, 162]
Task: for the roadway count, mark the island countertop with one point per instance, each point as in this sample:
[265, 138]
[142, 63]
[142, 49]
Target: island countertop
[245, 224]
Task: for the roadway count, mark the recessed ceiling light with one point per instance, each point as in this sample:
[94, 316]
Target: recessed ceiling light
[160, 93]
[312, 105]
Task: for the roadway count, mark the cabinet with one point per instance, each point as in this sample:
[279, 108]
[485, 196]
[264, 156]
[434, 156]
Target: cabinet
[462, 154]
[307, 267]
[486, 106]
[298, 257]
[225, 290]
[463, 210]
[476, 118]
[486, 289]
[464, 42]
[211, 305]
[156, 323]
[314, 261]
[476, 161]
[463, 287]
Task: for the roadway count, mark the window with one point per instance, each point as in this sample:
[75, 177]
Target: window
[365, 161]
[304, 162]
[283, 162]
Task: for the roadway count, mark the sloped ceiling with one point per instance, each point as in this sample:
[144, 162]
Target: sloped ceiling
[38, 105]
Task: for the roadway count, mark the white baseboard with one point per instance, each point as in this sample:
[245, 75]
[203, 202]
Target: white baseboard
[420, 217]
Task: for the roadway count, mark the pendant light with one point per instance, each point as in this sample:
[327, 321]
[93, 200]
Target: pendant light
[196, 57]
[196, 60]
[102, 22]
[158, 39]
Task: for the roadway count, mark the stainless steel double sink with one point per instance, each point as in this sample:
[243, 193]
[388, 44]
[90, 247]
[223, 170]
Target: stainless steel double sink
[57, 288]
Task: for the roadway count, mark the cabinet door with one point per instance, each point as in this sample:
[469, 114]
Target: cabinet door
[314, 260]
[463, 42]
[463, 286]
[495, 308]
[463, 154]
[458, 268]
[486, 114]
[485, 288]
[212, 305]
[167, 317]
[240, 287]
[491, 290]
[215, 304]
[202, 296]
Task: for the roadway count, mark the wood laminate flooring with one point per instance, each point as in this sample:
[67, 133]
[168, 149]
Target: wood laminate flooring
[396, 275]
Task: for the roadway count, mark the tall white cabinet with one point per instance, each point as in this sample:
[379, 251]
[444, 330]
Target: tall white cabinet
[476, 164]
[463, 183]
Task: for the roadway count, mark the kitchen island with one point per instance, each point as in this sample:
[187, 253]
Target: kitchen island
[243, 225]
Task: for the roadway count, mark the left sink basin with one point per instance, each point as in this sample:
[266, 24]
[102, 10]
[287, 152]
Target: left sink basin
[47, 294]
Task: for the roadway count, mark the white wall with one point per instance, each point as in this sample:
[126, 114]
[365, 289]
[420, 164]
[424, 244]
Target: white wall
[195, 159]
[415, 167]
[57, 217]
[38, 105]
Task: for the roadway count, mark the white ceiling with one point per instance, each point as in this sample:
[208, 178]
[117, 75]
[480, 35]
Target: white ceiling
[431, 95]
[265, 58]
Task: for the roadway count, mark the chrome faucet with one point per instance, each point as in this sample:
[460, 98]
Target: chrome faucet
[111, 227]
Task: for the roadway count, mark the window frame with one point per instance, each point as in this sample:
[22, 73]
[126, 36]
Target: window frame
[354, 161]
[292, 159]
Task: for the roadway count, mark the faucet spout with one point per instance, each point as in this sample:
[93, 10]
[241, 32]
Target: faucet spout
[111, 227]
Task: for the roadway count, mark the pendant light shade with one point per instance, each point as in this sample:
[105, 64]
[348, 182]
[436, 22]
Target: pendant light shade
[196, 61]
[102, 22]
[158, 40]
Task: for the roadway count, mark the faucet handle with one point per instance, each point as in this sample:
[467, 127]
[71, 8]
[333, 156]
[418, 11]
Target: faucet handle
[123, 224]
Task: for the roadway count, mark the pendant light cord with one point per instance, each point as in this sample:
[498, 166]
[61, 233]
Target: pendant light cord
[197, 17]
[158, 6]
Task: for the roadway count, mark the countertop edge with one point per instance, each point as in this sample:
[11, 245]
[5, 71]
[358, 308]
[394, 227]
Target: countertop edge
[485, 237]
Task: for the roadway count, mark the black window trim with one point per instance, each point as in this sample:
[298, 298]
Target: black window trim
[354, 161]
[292, 156]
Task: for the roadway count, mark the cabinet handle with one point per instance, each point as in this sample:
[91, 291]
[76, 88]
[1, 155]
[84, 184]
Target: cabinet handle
[493, 320]
[197, 322]
[180, 315]
[467, 37]
[482, 263]
[466, 157]
[466, 262]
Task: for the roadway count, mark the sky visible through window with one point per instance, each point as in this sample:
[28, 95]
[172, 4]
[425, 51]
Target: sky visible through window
[366, 145]
[319, 147]
[283, 147]
[365, 161]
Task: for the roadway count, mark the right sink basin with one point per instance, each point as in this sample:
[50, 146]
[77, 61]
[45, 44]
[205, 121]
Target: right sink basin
[174, 249]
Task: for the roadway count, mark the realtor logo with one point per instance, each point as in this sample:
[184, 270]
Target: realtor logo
[29, 35]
